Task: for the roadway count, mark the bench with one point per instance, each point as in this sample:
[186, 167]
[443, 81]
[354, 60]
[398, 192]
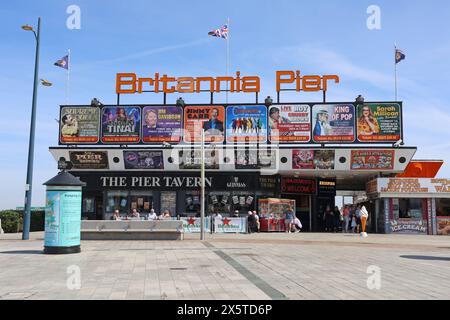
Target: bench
[132, 230]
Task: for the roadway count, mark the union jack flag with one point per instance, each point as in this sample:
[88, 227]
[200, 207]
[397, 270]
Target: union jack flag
[221, 33]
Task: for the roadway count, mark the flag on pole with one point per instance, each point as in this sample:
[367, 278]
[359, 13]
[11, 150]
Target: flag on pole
[399, 56]
[63, 62]
[220, 33]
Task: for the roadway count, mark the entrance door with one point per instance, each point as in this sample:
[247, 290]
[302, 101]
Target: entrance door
[319, 210]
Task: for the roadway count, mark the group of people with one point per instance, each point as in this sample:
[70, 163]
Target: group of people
[352, 218]
[246, 125]
[253, 222]
[136, 215]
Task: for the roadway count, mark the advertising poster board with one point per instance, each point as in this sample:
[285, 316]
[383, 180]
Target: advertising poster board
[191, 159]
[246, 124]
[324, 159]
[79, 125]
[379, 122]
[209, 118]
[193, 225]
[298, 185]
[443, 226]
[372, 159]
[89, 159]
[254, 159]
[143, 159]
[62, 218]
[333, 123]
[302, 159]
[230, 225]
[290, 123]
[162, 124]
[121, 124]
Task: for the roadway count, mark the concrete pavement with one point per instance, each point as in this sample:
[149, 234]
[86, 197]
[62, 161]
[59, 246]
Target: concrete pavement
[228, 266]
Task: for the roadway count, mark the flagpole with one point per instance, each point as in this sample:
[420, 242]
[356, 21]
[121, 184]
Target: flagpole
[228, 53]
[68, 78]
[395, 69]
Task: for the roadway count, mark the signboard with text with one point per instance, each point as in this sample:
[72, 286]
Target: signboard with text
[162, 124]
[372, 160]
[209, 118]
[79, 125]
[290, 123]
[121, 125]
[380, 122]
[246, 124]
[333, 123]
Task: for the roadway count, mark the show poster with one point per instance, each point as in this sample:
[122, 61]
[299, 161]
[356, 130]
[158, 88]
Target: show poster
[89, 159]
[246, 124]
[162, 124]
[121, 125]
[334, 123]
[255, 159]
[143, 159]
[79, 125]
[62, 218]
[443, 226]
[379, 122]
[324, 159]
[372, 159]
[209, 118]
[302, 159]
[191, 159]
[290, 123]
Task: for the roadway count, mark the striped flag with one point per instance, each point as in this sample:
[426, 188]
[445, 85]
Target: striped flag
[399, 56]
[220, 33]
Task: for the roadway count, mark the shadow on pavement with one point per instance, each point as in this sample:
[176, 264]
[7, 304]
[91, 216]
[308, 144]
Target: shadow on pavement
[23, 252]
[426, 258]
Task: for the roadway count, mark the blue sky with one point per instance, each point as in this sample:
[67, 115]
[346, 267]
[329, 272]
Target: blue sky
[144, 37]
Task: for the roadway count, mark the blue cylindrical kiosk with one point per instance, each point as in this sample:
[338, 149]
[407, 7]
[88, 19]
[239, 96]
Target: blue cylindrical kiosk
[63, 214]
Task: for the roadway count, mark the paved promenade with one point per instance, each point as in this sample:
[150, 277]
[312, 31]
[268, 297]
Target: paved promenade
[257, 266]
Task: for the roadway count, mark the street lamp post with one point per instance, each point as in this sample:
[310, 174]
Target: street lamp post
[28, 186]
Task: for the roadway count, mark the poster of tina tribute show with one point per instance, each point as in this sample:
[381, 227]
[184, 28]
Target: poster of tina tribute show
[334, 123]
[162, 124]
[121, 124]
[79, 125]
[246, 124]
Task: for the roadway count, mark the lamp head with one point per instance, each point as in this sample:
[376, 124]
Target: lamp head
[46, 83]
[27, 28]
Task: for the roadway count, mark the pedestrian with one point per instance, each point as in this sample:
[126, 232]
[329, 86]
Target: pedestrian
[116, 216]
[289, 218]
[297, 224]
[258, 225]
[328, 217]
[337, 219]
[346, 213]
[251, 222]
[353, 224]
[358, 218]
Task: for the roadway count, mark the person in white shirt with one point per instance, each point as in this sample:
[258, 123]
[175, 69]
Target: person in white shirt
[297, 224]
[258, 225]
[135, 214]
[152, 215]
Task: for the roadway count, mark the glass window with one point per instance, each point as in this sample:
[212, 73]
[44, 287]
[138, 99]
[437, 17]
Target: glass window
[443, 207]
[88, 205]
[116, 200]
[410, 208]
[192, 203]
[169, 202]
[142, 201]
[219, 202]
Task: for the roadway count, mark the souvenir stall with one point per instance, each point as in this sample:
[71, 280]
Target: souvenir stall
[272, 213]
